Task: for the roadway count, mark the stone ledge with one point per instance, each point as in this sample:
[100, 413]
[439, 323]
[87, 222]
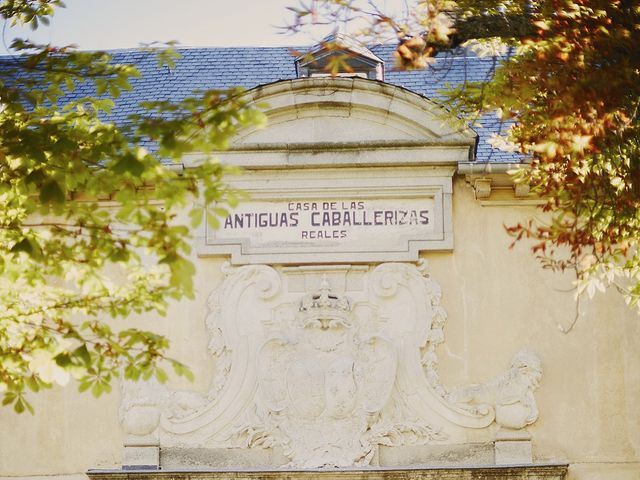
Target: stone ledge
[509, 472]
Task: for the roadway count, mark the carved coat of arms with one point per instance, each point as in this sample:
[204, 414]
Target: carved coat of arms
[324, 383]
[330, 374]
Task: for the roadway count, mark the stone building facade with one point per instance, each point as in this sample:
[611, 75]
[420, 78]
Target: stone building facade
[362, 314]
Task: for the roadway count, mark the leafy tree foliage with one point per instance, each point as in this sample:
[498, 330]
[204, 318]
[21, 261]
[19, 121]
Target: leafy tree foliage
[88, 225]
[571, 91]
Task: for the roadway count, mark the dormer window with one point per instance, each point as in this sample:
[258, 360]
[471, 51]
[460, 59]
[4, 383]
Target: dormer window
[341, 56]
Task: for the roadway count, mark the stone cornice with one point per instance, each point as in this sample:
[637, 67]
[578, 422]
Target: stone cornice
[493, 184]
[510, 472]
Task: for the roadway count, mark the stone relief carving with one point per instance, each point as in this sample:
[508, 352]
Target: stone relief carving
[323, 383]
[510, 394]
[140, 409]
[327, 372]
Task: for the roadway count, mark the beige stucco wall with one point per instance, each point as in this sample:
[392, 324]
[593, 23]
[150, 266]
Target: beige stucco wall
[498, 300]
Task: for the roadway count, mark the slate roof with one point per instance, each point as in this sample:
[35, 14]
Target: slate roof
[248, 67]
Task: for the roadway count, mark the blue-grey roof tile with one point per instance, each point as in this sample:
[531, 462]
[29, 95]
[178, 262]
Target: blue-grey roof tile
[248, 67]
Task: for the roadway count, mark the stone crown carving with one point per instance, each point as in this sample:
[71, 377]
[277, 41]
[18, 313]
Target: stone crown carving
[325, 307]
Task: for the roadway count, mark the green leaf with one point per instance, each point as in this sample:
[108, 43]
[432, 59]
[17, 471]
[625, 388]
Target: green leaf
[213, 221]
[114, 90]
[52, 193]
[161, 375]
[83, 353]
[101, 86]
[221, 212]
[32, 384]
[35, 177]
[70, 84]
[19, 406]
[196, 215]
[23, 245]
[96, 389]
[84, 386]
[129, 164]
[182, 371]
[63, 360]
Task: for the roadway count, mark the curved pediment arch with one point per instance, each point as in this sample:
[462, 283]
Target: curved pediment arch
[350, 111]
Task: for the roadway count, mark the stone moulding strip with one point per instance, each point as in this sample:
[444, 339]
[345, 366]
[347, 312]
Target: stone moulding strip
[508, 472]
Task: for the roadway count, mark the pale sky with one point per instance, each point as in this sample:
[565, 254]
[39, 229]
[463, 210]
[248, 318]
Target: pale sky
[110, 24]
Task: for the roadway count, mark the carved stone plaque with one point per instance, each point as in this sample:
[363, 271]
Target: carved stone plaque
[328, 222]
[328, 216]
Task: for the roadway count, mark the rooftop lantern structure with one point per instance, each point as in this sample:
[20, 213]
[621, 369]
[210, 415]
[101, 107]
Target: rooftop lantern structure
[342, 56]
